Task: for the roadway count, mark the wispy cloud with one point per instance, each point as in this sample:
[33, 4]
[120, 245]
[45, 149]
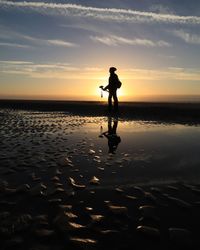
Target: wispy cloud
[47, 70]
[30, 41]
[68, 71]
[93, 69]
[104, 14]
[15, 45]
[55, 42]
[61, 43]
[37, 70]
[171, 73]
[115, 41]
[15, 62]
[187, 37]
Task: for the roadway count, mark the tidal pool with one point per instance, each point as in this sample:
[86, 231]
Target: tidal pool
[114, 150]
[138, 151]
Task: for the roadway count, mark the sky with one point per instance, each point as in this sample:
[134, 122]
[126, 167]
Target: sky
[59, 49]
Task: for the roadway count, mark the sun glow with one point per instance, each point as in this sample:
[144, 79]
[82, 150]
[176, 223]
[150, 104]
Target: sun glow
[121, 92]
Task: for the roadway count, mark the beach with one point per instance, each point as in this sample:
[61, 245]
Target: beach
[73, 176]
[163, 111]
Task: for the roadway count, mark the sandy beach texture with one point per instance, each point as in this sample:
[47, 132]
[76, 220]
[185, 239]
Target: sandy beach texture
[61, 189]
[177, 112]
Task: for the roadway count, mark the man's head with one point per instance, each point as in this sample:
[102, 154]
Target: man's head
[112, 69]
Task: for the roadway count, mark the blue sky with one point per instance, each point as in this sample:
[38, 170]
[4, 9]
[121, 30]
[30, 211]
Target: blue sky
[63, 49]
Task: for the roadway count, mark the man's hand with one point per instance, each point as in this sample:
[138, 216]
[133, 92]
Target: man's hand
[103, 88]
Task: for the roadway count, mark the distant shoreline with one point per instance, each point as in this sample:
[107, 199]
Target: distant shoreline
[158, 111]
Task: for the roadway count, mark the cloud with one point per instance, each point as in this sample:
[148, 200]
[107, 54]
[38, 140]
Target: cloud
[61, 43]
[68, 71]
[34, 41]
[104, 14]
[94, 69]
[48, 70]
[171, 73]
[187, 37]
[15, 62]
[15, 45]
[115, 41]
[36, 70]
[56, 42]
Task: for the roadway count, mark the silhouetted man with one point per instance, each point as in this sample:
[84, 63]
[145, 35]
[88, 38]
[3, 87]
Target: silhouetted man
[112, 88]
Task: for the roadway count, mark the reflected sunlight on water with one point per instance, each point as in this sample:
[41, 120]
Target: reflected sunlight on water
[117, 151]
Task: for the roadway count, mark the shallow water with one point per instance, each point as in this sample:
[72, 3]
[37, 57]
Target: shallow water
[115, 151]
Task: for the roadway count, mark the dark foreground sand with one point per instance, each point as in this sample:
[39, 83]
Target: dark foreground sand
[79, 217]
[49, 201]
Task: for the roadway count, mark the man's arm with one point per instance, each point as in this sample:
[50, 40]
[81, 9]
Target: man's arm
[105, 88]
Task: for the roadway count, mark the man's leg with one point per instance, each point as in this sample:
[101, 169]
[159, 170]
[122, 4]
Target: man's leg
[110, 101]
[115, 101]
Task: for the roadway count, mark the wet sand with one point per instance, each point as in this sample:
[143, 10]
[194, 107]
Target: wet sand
[51, 198]
[169, 112]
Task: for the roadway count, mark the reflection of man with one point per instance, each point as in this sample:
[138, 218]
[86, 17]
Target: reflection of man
[111, 135]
